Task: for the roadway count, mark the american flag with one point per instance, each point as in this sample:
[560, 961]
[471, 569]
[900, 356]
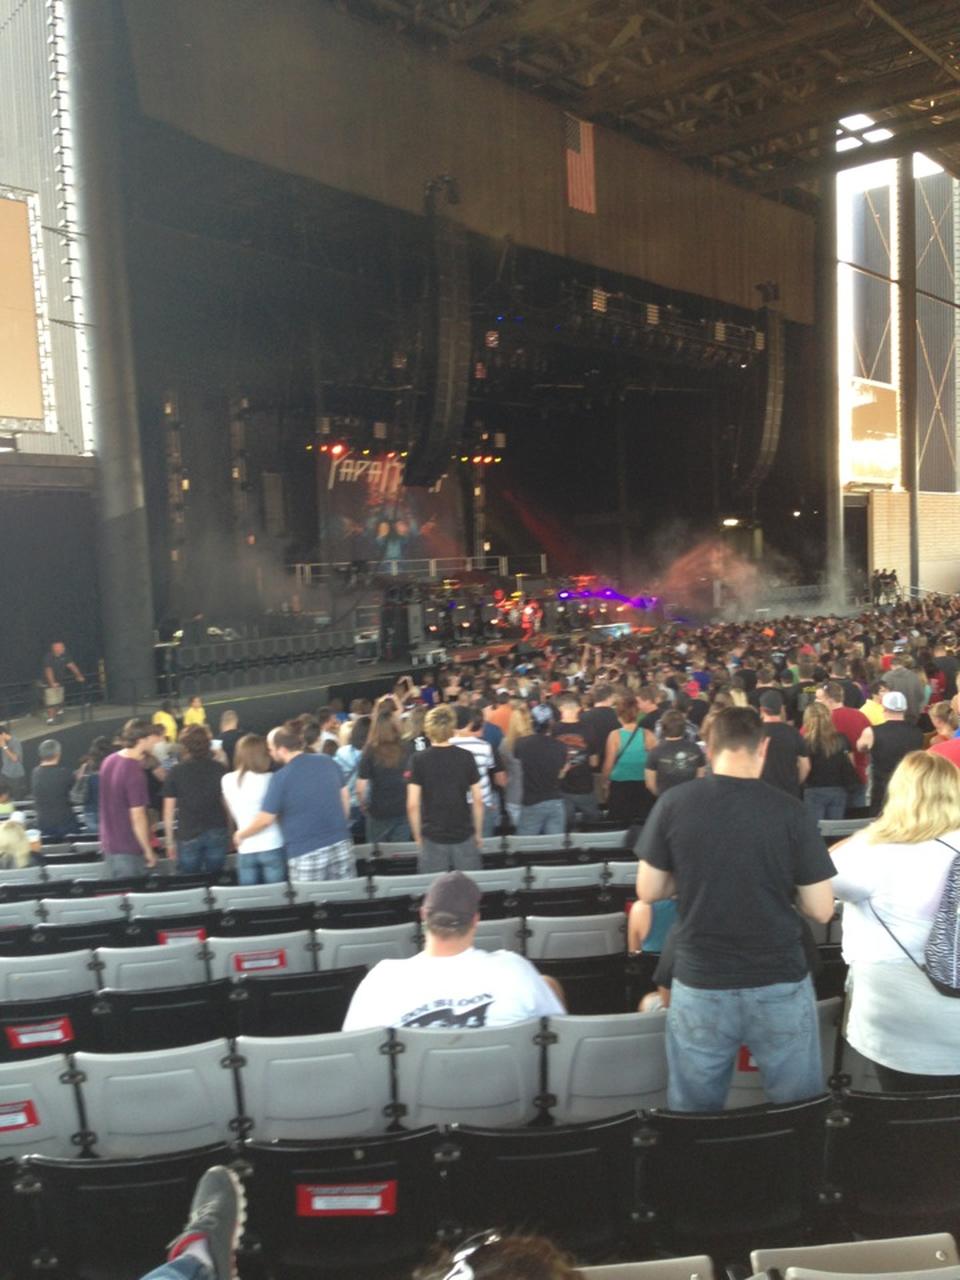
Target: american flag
[578, 148]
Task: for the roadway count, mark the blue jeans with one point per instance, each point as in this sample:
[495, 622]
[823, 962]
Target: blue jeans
[268, 867]
[205, 854]
[548, 818]
[826, 802]
[705, 1029]
[183, 1268]
[382, 830]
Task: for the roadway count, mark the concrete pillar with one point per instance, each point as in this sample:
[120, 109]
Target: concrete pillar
[827, 362]
[905, 269]
[96, 54]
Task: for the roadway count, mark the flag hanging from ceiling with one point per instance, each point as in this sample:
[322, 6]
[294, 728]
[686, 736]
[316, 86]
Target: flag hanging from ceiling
[578, 148]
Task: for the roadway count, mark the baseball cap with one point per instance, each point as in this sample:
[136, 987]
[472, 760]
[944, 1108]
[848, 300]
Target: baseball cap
[453, 895]
[772, 700]
[894, 701]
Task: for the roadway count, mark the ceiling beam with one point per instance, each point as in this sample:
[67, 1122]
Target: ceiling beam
[534, 17]
[676, 76]
[826, 104]
[913, 39]
[921, 138]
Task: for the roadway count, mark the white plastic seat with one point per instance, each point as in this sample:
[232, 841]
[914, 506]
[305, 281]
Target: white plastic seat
[606, 1064]
[563, 877]
[746, 1086]
[271, 953]
[83, 910]
[21, 875]
[350, 890]
[500, 879]
[343, 948]
[500, 935]
[414, 886]
[314, 1087]
[175, 964]
[41, 977]
[38, 1112]
[87, 870]
[622, 873]
[697, 1268]
[530, 844]
[562, 937]
[14, 914]
[244, 897]
[612, 840]
[168, 902]
[140, 1104]
[87, 846]
[487, 1076]
[402, 848]
[936, 1252]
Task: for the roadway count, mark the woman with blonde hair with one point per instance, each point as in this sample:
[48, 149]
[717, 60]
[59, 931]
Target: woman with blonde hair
[260, 857]
[945, 723]
[520, 725]
[891, 877]
[831, 768]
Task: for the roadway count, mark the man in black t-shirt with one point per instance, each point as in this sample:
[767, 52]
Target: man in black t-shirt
[888, 743]
[445, 799]
[50, 785]
[543, 760]
[787, 761]
[675, 759]
[736, 852]
[576, 785]
[598, 723]
[57, 665]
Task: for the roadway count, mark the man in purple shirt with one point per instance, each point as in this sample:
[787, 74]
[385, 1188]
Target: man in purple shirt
[124, 829]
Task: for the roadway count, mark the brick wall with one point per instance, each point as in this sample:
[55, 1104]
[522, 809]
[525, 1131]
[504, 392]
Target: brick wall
[889, 537]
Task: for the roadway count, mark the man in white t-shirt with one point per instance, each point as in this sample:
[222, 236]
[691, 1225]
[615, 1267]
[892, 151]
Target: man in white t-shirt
[450, 983]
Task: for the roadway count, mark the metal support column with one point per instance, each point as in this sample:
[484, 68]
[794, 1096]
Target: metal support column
[906, 273]
[828, 365]
[94, 31]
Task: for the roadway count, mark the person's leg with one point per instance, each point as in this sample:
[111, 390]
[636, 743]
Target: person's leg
[553, 823]
[513, 812]
[813, 798]
[529, 824]
[189, 857]
[466, 856]
[206, 1247]
[704, 1034]
[271, 865]
[187, 1267]
[892, 1081]
[586, 804]
[435, 858]
[783, 1036]
[303, 868]
[341, 861]
[121, 865]
[214, 845]
[399, 830]
[836, 805]
[248, 868]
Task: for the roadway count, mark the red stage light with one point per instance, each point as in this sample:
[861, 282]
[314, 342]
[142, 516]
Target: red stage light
[488, 459]
[336, 450]
[477, 460]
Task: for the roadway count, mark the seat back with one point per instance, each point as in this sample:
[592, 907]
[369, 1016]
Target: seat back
[15, 913]
[329, 890]
[295, 1004]
[175, 964]
[141, 1021]
[603, 1066]
[558, 937]
[41, 976]
[313, 1087]
[244, 897]
[500, 935]
[935, 1252]
[151, 1103]
[344, 948]
[488, 1075]
[414, 886]
[622, 873]
[591, 984]
[38, 1110]
[696, 1268]
[82, 910]
[168, 902]
[268, 953]
[508, 880]
[34, 1028]
[588, 874]
[21, 875]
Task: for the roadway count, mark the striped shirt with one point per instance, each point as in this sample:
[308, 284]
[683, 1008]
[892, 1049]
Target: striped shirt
[482, 753]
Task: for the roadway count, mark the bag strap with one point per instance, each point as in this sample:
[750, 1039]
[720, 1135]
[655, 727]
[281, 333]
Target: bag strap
[626, 746]
[896, 939]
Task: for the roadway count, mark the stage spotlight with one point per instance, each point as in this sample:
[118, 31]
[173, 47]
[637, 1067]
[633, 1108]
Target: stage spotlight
[336, 450]
[731, 522]
[598, 300]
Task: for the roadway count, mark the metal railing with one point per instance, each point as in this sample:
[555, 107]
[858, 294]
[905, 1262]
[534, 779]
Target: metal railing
[319, 572]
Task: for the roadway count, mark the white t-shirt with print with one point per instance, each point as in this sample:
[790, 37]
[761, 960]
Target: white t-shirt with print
[244, 799]
[472, 989]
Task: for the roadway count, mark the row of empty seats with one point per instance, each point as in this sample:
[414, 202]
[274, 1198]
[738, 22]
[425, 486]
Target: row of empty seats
[628, 1186]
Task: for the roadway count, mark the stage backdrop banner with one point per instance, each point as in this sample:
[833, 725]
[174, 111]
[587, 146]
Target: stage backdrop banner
[366, 513]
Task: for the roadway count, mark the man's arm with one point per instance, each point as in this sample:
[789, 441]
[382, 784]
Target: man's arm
[816, 900]
[258, 823]
[77, 673]
[413, 809]
[865, 741]
[804, 764]
[650, 781]
[363, 787]
[169, 813]
[345, 800]
[141, 829]
[476, 795]
[654, 885]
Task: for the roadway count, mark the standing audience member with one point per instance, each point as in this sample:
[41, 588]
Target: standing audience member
[230, 734]
[260, 857]
[355, 731]
[576, 785]
[625, 764]
[193, 796]
[831, 775]
[382, 781]
[122, 794]
[675, 758]
[16, 851]
[543, 761]
[195, 713]
[165, 717]
[736, 852]
[308, 797]
[891, 877]
[51, 784]
[945, 723]
[11, 763]
[888, 743]
[787, 762]
[850, 723]
[445, 799]
[57, 665]
[521, 726]
[86, 787]
[469, 737]
[903, 678]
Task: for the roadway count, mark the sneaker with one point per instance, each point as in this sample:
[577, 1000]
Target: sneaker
[217, 1215]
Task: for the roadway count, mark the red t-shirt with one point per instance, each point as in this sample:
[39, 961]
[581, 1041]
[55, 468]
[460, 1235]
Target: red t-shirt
[950, 748]
[851, 724]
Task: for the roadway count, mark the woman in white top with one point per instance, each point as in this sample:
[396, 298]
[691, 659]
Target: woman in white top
[896, 869]
[260, 858]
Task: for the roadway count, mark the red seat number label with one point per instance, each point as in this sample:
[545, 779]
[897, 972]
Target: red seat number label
[30, 1034]
[18, 1115]
[197, 934]
[745, 1060]
[347, 1200]
[254, 961]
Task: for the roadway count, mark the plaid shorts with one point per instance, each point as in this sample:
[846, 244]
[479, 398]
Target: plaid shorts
[335, 862]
